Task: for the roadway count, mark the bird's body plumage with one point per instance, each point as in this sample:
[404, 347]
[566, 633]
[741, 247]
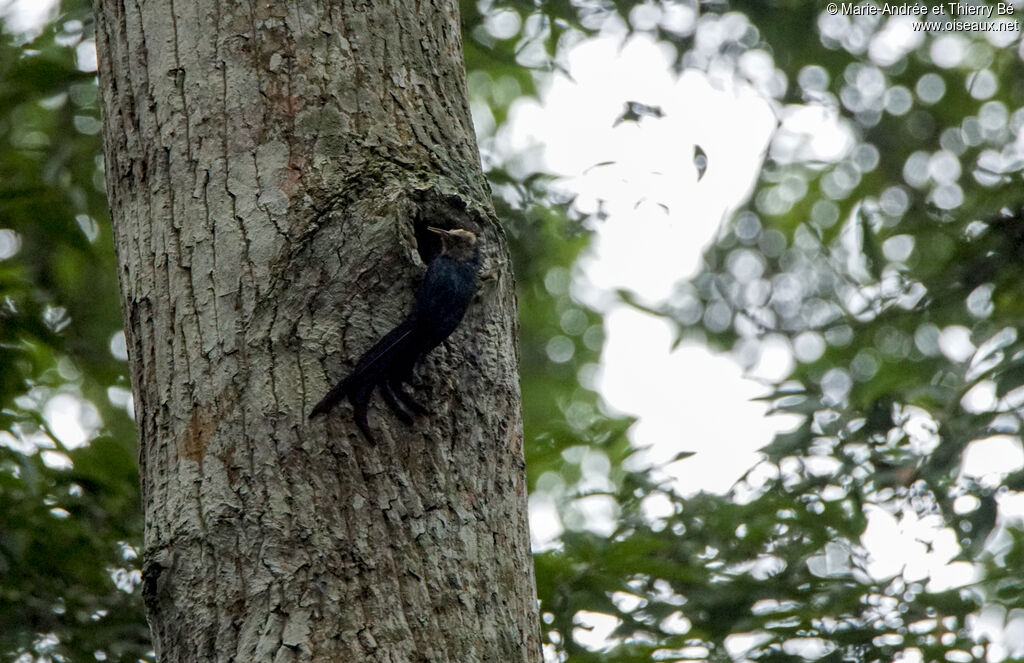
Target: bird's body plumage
[441, 302]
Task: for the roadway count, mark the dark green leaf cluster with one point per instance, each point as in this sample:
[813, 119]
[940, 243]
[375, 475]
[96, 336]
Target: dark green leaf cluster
[892, 269]
[70, 521]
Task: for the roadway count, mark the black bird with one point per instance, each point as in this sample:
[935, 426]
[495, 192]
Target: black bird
[442, 300]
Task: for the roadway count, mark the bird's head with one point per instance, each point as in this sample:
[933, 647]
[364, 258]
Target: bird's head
[458, 243]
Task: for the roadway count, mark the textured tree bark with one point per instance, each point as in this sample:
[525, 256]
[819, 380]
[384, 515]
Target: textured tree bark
[271, 167]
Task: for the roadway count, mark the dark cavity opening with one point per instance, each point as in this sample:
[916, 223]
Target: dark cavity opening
[428, 244]
[448, 212]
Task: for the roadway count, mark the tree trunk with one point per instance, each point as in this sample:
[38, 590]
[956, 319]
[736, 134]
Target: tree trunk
[271, 168]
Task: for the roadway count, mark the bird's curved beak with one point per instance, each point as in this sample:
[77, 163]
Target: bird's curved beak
[439, 231]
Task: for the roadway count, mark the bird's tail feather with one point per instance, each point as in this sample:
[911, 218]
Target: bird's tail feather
[373, 366]
[385, 348]
[332, 398]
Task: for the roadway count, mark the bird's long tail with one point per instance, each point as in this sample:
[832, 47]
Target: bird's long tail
[396, 352]
[332, 398]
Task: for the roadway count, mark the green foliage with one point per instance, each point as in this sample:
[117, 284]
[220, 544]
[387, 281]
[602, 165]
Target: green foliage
[70, 519]
[893, 270]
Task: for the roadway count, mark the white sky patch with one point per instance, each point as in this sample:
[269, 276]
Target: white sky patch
[660, 219]
[918, 547]
[545, 525]
[72, 419]
[85, 55]
[690, 399]
[812, 133]
[643, 172]
[26, 16]
[594, 629]
[990, 459]
[36, 441]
